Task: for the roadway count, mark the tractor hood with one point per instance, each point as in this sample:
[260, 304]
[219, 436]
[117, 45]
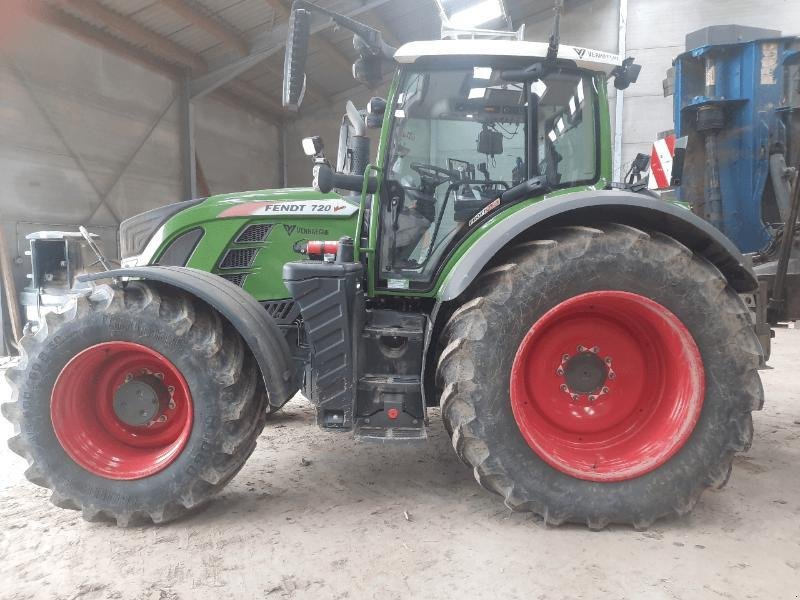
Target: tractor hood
[203, 230]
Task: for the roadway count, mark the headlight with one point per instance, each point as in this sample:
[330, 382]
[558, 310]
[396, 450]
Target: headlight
[134, 233]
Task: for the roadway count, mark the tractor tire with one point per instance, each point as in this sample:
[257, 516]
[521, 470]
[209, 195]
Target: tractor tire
[600, 375]
[135, 404]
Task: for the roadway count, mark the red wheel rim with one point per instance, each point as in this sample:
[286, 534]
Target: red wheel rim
[90, 414]
[607, 386]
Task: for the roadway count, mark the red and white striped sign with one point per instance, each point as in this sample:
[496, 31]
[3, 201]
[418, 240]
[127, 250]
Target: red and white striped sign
[660, 169]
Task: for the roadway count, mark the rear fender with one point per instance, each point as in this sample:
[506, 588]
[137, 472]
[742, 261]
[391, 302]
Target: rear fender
[243, 312]
[584, 208]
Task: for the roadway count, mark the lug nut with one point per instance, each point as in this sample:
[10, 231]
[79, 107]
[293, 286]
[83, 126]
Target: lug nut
[595, 349]
[575, 397]
[565, 358]
[581, 348]
[611, 375]
[564, 387]
[592, 398]
[608, 360]
[605, 390]
[162, 419]
[159, 375]
[559, 371]
[128, 377]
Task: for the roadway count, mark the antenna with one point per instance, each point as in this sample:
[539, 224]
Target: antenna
[552, 49]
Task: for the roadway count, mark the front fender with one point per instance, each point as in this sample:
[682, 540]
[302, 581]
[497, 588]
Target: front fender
[584, 208]
[244, 313]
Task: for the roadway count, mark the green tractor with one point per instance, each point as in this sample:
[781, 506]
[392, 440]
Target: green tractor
[588, 347]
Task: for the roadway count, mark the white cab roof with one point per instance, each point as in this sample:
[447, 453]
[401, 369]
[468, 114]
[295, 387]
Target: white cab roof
[585, 58]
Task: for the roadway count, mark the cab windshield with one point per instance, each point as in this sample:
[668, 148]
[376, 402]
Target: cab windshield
[459, 139]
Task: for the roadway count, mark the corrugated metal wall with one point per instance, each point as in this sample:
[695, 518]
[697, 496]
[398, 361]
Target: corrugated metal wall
[87, 137]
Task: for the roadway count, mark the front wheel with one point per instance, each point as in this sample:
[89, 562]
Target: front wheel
[601, 375]
[136, 403]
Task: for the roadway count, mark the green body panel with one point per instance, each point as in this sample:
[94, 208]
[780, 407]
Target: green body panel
[220, 219]
[264, 280]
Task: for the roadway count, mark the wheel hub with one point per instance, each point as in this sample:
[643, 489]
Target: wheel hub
[607, 386]
[139, 400]
[585, 373]
[121, 410]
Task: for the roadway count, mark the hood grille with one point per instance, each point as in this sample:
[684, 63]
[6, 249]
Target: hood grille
[253, 234]
[240, 258]
[235, 278]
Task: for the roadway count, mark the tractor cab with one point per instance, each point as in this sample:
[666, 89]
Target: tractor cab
[470, 128]
[462, 136]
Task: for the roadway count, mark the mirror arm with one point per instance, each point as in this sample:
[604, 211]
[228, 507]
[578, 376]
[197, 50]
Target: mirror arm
[326, 180]
[371, 36]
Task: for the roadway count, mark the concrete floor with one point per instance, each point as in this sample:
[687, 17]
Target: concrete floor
[316, 515]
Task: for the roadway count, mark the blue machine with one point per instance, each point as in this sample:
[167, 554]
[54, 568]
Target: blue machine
[737, 98]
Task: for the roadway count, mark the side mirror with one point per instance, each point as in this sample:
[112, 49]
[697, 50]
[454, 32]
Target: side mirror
[626, 74]
[313, 146]
[294, 65]
[376, 108]
[367, 68]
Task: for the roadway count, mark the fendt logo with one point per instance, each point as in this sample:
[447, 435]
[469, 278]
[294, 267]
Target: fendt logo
[289, 229]
[322, 207]
[580, 52]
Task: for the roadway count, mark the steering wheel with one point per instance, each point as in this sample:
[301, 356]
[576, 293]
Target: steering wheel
[433, 174]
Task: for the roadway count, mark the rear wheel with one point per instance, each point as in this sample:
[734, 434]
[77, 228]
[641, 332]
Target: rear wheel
[602, 375]
[135, 404]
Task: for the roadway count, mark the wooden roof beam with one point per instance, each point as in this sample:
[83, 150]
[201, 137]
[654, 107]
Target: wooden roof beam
[254, 95]
[197, 17]
[387, 31]
[281, 10]
[97, 38]
[238, 93]
[135, 33]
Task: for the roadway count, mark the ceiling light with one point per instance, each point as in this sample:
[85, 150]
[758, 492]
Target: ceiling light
[477, 93]
[477, 14]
